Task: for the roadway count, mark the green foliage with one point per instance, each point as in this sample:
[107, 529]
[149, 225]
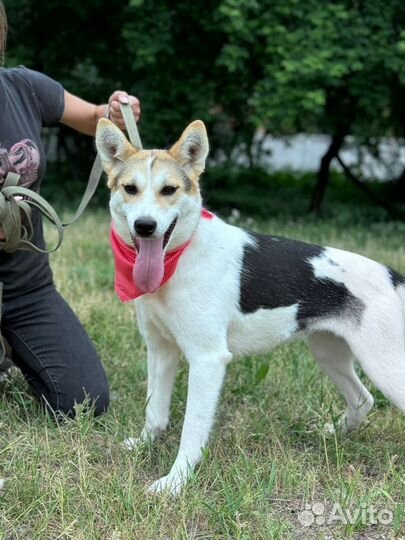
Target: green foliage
[319, 64]
[170, 57]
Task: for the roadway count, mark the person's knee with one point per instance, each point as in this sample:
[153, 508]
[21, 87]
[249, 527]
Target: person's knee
[102, 401]
[94, 397]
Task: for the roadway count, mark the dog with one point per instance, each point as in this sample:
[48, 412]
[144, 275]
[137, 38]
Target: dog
[212, 292]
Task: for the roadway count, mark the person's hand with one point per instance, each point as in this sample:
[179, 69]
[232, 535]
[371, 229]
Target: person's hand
[115, 111]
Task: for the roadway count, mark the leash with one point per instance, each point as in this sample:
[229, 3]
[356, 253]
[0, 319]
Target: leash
[130, 125]
[17, 202]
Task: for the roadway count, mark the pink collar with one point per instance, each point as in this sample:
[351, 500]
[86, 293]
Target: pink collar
[125, 257]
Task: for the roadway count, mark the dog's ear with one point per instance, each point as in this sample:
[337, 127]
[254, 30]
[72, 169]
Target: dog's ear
[191, 150]
[112, 145]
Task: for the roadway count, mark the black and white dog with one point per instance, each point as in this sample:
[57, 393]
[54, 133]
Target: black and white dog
[212, 292]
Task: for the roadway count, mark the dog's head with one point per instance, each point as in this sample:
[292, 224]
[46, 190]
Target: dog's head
[155, 196]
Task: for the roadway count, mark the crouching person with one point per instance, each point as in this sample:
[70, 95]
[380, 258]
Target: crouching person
[48, 342]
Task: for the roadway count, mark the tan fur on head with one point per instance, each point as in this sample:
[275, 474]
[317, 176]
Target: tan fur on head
[191, 150]
[113, 147]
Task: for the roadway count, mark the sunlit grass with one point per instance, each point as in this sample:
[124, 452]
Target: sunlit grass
[268, 456]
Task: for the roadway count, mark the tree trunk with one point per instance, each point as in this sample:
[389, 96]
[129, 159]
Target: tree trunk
[323, 173]
[392, 210]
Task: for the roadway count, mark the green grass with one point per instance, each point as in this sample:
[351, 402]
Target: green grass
[268, 456]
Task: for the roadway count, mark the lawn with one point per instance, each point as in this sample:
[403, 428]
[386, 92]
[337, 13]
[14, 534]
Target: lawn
[268, 460]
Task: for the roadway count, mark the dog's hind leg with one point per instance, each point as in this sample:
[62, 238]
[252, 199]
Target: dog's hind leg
[163, 356]
[336, 359]
[379, 346]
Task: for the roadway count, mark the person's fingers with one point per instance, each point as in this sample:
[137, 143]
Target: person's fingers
[136, 106]
[115, 110]
[124, 98]
[115, 107]
[115, 114]
[132, 100]
[118, 94]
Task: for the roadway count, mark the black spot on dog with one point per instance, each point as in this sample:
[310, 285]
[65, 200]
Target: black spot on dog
[396, 279]
[276, 272]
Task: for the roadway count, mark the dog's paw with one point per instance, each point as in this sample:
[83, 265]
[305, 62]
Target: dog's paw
[172, 485]
[133, 443]
[338, 430]
[146, 436]
[329, 430]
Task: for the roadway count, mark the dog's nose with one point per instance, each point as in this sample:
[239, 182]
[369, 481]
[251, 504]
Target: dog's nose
[145, 226]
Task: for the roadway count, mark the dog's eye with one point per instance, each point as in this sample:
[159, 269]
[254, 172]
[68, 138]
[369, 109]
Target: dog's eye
[131, 189]
[168, 190]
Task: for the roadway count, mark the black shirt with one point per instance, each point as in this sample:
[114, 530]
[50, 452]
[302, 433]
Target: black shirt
[28, 101]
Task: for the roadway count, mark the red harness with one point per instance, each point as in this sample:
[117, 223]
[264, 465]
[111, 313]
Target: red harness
[125, 257]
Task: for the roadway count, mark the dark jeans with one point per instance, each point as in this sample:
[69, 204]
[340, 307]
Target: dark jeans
[53, 351]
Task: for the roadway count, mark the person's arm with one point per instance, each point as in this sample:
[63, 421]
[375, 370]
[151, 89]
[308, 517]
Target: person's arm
[83, 116]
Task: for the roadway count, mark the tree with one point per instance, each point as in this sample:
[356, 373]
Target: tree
[330, 67]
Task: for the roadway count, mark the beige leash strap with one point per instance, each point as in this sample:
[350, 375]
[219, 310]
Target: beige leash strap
[92, 184]
[15, 211]
[16, 204]
[130, 124]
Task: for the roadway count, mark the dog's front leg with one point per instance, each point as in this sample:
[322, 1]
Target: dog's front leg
[206, 375]
[163, 356]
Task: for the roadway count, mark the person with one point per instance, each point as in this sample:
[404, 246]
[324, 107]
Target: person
[48, 342]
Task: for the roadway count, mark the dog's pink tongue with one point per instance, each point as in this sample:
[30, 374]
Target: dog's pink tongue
[149, 265]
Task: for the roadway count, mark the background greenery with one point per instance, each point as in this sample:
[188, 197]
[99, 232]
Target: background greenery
[284, 67]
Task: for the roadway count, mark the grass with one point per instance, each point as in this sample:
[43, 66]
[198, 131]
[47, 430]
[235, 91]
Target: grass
[268, 456]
